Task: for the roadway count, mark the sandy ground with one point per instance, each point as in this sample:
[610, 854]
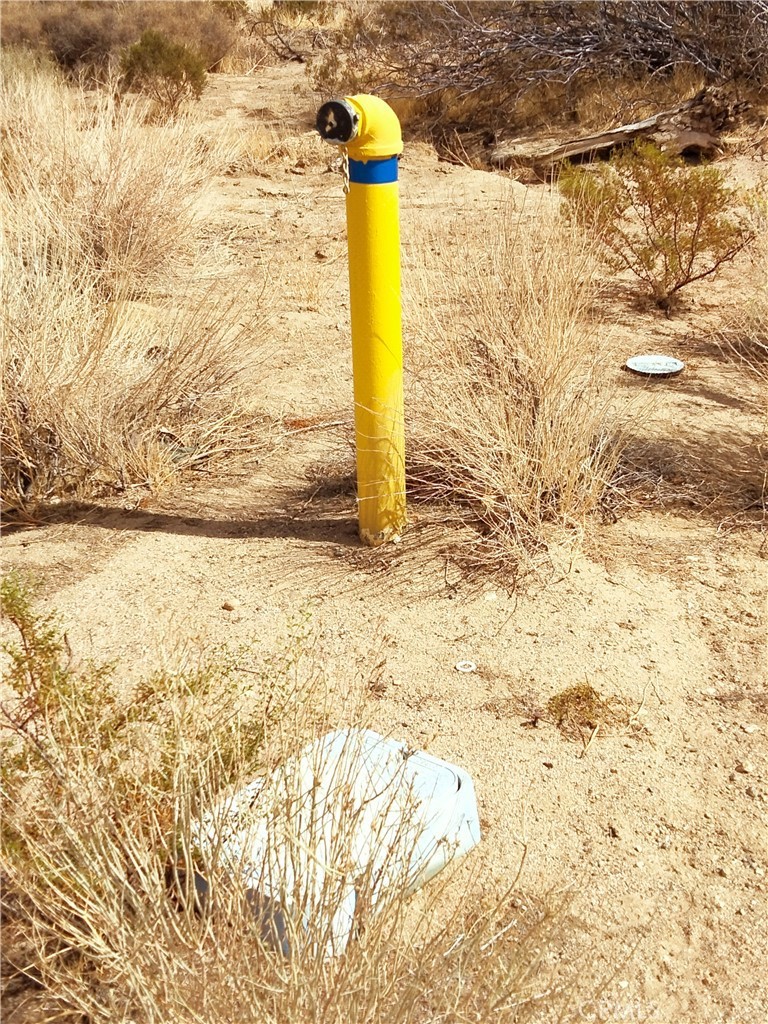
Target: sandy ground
[659, 827]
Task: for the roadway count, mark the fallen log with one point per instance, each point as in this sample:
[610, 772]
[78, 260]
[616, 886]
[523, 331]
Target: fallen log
[690, 130]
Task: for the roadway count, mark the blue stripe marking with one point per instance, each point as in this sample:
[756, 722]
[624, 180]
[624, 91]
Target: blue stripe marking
[373, 172]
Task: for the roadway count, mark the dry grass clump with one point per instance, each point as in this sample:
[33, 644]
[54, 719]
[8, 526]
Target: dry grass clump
[88, 190]
[512, 425]
[297, 30]
[745, 339]
[249, 54]
[99, 857]
[99, 397]
[248, 150]
[99, 392]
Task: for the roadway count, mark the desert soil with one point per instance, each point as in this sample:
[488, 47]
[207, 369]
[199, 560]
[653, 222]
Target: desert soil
[658, 828]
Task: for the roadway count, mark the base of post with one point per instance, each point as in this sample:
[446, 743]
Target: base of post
[375, 540]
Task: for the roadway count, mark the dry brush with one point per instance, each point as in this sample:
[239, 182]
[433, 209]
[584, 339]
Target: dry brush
[98, 856]
[513, 428]
[100, 391]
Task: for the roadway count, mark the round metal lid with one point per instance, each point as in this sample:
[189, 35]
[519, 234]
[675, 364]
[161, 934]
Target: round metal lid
[655, 366]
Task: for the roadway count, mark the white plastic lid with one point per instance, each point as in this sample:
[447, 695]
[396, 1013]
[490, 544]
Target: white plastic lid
[360, 805]
[655, 365]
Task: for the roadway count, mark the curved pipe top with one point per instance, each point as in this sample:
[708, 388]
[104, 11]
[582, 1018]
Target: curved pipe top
[366, 125]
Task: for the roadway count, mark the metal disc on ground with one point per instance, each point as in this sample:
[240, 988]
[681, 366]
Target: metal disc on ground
[655, 366]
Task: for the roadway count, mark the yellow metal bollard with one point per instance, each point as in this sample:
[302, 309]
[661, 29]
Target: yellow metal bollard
[369, 131]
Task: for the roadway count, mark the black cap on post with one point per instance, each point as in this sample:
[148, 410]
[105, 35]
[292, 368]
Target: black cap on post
[337, 121]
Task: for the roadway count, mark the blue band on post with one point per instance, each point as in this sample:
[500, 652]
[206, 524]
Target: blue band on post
[373, 172]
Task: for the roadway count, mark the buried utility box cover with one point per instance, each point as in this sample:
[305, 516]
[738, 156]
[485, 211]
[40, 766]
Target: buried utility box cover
[353, 815]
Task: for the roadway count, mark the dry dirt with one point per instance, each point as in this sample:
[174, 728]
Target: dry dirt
[659, 826]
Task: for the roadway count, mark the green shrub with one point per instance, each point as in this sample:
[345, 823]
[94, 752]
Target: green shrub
[168, 72]
[668, 222]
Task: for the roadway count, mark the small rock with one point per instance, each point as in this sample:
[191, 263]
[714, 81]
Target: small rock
[710, 691]
[745, 767]
[751, 791]
[231, 604]
[749, 728]
[490, 596]
[722, 871]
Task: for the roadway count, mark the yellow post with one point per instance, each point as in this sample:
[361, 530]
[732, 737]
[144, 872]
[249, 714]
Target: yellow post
[368, 129]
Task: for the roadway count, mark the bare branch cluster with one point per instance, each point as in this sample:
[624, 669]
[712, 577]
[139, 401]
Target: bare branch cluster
[511, 47]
